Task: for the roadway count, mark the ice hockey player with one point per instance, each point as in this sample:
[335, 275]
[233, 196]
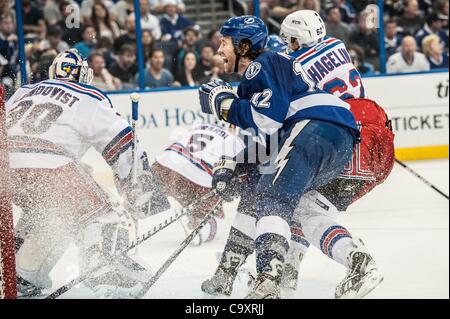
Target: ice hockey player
[51, 125]
[327, 62]
[317, 133]
[315, 216]
[185, 170]
[325, 59]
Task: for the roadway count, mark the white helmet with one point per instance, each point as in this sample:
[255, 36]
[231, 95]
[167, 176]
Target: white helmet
[70, 66]
[306, 26]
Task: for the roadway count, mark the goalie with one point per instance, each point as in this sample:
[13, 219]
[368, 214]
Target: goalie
[51, 125]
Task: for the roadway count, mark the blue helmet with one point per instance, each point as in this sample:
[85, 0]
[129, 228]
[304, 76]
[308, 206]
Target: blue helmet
[275, 44]
[246, 27]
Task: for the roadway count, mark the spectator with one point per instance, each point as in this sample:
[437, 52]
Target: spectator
[33, 53]
[186, 75]
[433, 25]
[436, 56]
[125, 68]
[334, 25]
[172, 23]
[412, 19]
[89, 42]
[148, 43]
[189, 45]
[278, 9]
[70, 34]
[6, 8]
[347, 11]
[148, 20]
[129, 37]
[51, 12]
[33, 18]
[41, 66]
[104, 26]
[204, 66]
[54, 41]
[155, 75]
[103, 80]
[88, 5]
[215, 39]
[426, 6]
[366, 36]
[357, 56]
[442, 10]
[392, 39]
[8, 51]
[105, 47]
[218, 72]
[408, 59]
[157, 6]
[121, 10]
[393, 8]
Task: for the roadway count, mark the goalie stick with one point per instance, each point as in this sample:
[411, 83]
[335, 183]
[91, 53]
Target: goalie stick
[177, 252]
[63, 289]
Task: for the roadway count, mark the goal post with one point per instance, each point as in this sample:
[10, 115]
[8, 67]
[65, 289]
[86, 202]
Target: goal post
[7, 251]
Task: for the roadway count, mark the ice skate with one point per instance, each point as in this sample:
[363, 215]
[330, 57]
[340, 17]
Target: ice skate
[361, 279]
[265, 287]
[221, 283]
[290, 277]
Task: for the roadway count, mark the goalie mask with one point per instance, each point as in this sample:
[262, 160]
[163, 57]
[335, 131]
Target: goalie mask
[304, 26]
[70, 66]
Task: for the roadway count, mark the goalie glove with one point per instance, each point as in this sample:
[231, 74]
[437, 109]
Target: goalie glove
[224, 180]
[216, 98]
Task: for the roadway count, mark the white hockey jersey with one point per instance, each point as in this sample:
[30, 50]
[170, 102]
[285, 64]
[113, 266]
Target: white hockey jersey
[54, 122]
[194, 155]
[330, 66]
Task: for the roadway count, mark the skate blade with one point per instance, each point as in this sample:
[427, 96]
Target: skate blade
[365, 289]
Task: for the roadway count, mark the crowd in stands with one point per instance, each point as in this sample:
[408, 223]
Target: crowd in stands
[178, 53]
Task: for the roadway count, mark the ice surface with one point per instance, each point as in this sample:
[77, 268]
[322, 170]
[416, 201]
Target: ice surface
[403, 222]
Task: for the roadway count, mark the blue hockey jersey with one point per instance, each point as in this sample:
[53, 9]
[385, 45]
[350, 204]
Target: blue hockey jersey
[276, 92]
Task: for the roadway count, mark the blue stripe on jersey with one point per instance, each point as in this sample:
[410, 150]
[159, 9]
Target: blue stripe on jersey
[87, 86]
[73, 89]
[315, 55]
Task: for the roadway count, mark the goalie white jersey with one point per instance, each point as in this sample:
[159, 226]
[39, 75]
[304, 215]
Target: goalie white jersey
[58, 121]
[194, 155]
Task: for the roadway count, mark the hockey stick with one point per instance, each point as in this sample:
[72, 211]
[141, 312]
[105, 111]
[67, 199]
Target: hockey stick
[63, 289]
[409, 169]
[134, 118]
[177, 252]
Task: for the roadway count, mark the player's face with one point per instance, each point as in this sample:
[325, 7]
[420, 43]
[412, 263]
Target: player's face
[226, 51]
[294, 45]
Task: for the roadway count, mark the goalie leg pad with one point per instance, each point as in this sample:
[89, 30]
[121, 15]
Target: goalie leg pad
[102, 243]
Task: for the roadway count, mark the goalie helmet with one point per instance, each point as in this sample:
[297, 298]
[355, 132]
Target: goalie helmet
[70, 66]
[305, 26]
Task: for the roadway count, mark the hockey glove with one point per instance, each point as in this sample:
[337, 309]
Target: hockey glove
[212, 97]
[224, 180]
[145, 197]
